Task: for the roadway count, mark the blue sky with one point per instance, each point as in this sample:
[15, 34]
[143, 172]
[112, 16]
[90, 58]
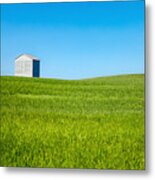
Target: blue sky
[75, 40]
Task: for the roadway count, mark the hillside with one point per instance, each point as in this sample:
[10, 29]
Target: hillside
[91, 123]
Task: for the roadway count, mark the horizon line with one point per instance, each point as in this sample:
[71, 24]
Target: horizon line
[128, 74]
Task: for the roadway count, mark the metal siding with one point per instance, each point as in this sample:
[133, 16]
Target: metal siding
[23, 68]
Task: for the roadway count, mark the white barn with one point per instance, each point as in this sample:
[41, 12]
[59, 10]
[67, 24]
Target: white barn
[27, 65]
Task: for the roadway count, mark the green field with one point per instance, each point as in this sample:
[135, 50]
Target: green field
[91, 123]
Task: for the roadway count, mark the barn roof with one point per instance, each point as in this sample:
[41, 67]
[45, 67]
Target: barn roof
[27, 56]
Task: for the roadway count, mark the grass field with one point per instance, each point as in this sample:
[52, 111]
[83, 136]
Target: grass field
[91, 123]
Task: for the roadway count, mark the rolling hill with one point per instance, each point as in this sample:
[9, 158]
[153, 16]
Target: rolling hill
[91, 123]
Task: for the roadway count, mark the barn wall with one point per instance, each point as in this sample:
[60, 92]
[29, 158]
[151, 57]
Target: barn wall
[36, 68]
[23, 68]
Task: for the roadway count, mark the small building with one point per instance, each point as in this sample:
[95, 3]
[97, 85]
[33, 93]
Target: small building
[27, 65]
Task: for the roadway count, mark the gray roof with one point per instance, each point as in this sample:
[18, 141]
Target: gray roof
[27, 56]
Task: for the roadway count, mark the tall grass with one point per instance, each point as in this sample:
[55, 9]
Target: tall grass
[92, 123]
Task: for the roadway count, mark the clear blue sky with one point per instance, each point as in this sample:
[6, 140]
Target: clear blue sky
[75, 40]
